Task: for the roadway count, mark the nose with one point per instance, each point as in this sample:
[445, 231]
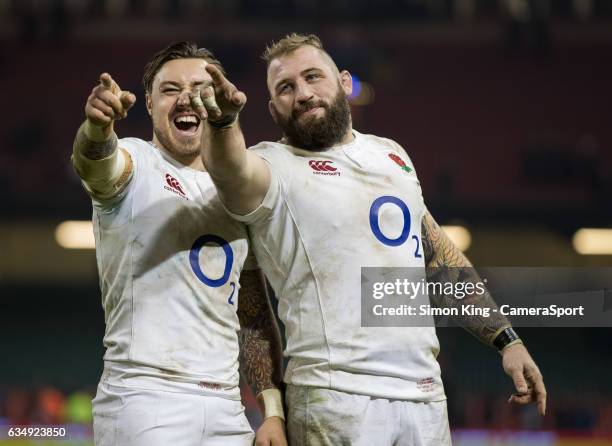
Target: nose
[183, 99]
[303, 92]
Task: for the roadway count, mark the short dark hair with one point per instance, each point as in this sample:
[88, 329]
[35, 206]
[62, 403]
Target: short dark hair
[177, 50]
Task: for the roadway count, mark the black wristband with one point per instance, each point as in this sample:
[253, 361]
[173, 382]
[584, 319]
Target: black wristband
[223, 122]
[507, 336]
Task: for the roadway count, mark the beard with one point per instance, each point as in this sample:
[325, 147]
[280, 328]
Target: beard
[318, 134]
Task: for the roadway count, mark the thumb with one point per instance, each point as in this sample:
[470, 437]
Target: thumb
[127, 99]
[239, 99]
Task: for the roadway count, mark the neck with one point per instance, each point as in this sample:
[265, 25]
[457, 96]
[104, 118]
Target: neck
[193, 161]
[347, 138]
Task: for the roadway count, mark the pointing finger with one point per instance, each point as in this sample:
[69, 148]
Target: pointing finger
[210, 103]
[217, 77]
[540, 392]
[107, 81]
[198, 106]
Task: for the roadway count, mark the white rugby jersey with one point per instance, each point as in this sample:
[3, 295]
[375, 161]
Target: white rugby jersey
[326, 215]
[169, 260]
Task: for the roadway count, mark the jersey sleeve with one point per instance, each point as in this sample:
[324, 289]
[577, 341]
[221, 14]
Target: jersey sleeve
[250, 263]
[274, 196]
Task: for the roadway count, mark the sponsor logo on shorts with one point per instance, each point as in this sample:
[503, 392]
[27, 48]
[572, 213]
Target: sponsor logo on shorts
[209, 386]
[426, 385]
[400, 162]
[320, 167]
[173, 185]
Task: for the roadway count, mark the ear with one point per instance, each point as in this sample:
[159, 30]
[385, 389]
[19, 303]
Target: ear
[273, 112]
[346, 81]
[149, 103]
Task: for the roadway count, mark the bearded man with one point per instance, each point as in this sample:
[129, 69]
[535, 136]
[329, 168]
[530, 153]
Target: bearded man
[321, 203]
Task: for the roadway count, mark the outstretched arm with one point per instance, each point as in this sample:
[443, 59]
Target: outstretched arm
[242, 178]
[104, 169]
[261, 355]
[446, 263]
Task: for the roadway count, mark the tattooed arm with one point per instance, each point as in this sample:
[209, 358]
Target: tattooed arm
[446, 263]
[260, 343]
[261, 355]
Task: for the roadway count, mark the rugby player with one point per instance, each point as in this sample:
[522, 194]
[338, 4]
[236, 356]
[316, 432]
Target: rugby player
[320, 204]
[170, 261]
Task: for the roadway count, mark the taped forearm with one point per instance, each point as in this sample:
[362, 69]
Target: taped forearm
[104, 169]
[271, 401]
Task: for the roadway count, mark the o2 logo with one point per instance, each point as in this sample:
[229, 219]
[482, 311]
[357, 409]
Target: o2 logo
[405, 234]
[194, 261]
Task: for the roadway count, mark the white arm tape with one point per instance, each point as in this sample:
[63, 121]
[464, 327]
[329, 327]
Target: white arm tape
[106, 177]
[272, 401]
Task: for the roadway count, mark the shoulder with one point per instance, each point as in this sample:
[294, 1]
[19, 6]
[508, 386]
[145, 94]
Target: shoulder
[272, 151]
[135, 145]
[389, 147]
[141, 151]
[380, 143]
[268, 146]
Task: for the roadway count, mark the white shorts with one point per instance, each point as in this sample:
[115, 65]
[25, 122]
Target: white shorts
[136, 417]
[324, 417]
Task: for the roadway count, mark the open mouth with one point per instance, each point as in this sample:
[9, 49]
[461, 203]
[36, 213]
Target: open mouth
[187, 124]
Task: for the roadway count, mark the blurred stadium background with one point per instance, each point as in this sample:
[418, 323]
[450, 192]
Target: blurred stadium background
[504, 106]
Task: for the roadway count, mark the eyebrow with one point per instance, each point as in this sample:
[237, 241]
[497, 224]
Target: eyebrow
[302, 73]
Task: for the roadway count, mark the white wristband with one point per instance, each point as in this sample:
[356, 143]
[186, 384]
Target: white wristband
[272, 401]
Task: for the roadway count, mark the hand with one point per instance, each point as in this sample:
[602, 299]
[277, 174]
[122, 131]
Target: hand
[223, 101]
[271, 433]
[526, 376]
[107, 103]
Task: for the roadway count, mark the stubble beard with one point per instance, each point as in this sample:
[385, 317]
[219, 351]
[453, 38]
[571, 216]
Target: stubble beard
[173, 146]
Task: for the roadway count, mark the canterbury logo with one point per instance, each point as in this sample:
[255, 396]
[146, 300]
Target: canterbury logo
[323, 167]
[175, 186]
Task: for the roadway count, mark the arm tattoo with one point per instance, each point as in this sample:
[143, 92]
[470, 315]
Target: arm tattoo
[260, 343]
[91, 149]
[446, 263]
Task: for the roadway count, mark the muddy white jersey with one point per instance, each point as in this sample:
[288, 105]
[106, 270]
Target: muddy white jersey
[169, 260]
[326, 215]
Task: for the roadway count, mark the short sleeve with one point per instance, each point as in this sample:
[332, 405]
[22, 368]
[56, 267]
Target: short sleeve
[270, 202]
